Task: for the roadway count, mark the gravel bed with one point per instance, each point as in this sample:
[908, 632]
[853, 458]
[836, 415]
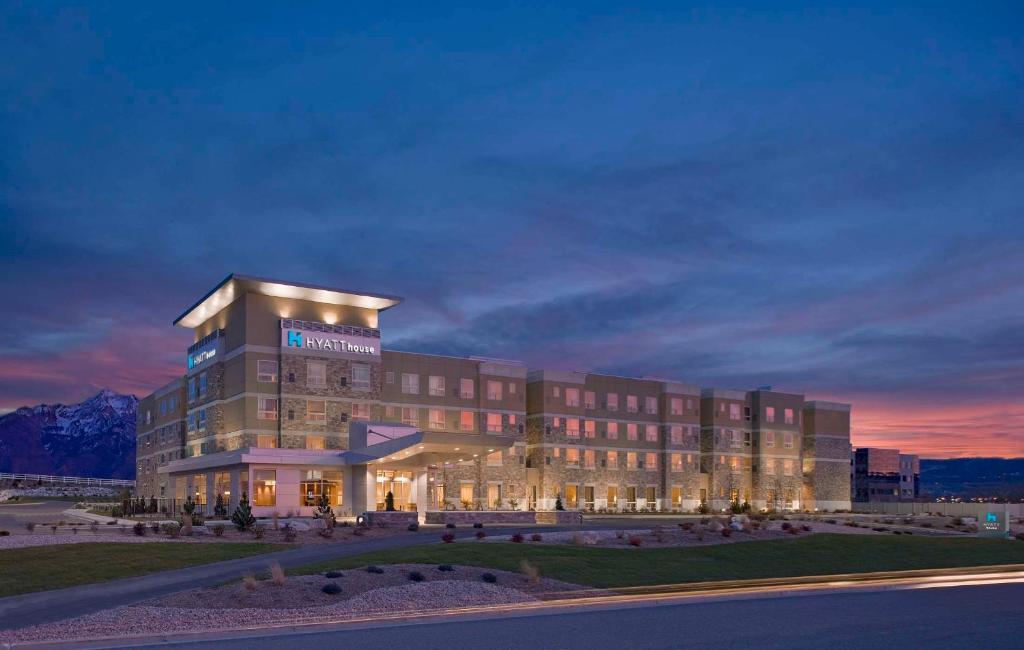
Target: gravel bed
[41, 539]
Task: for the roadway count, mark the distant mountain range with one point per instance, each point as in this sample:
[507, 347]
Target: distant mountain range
[95, 438]
[973, 477]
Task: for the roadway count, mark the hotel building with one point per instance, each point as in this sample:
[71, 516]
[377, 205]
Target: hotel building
[288, 395]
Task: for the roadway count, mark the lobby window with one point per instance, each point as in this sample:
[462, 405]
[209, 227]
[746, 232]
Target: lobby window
[360, 411]
[612, 431]
[267, 408]
[494, 459]
[651, 433]
[677, 434]
[677, 462]
[466, 388]
[787, 440]
[191, 389]
[789, 416]
[651, 405]
[787, 467]
[264, 487]
[317, 483]
[589, 400]
[466, 420]
[494, 422]
[631, 431]
[410, 416]
[202, 420]
[675, 406]
[315, 442]
[572, 427]
[769, 414]
[435, 385]
[631, 404]
[572, 396]
[410, 383]
[590, 429]
[435, 418]
[202, 384]
[572, 457]
[360, 376]
[266, 370]
[613, 401]
[630, 460]
[316, 410]
[588, 459]
[651, 462]
[613, 460]
[734, 411]
[493, 390]
[316, 374]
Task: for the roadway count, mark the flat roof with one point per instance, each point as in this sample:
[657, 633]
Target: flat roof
[235, 285]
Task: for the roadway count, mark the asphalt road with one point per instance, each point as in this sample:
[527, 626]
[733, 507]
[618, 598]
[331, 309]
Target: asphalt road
[973, 617]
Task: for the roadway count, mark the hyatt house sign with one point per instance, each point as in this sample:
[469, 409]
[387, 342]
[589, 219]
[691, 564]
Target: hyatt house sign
[329, 342]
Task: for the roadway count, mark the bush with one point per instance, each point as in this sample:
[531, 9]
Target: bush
[449, 525]
[139, 529]
[218, 530]
[333, 574]
[30, 527]
[416, 576]
[448, 538]
[1020, 536]
[242, 516]
[489, 577]
[155, 527]
[326, 533]
[478, 525]
[805, 528]
[787, 526]
[413, 527]
[517, 538]
[288, 532]
[727, 532]
[171, 529]
[4, 533]
[331, 588]
[686, 525]
[374, 569]
[445, 567]
[536, 537]
[258, 532]
[277, 574]
[793, 530]
[636, 540]
[927, 524]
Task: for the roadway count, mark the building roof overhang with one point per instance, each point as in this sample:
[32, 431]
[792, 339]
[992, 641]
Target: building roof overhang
[234, 285]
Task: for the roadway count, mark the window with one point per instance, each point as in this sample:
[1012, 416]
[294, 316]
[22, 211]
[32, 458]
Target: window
[315, 442]
[734, 411]
[494, 422]
[410, 416]
[410, 383]
[264, 487]
[493, 390]
[466, 420]
[389, 377]
[572, 396]
[316, 410]
[267, 408]
[589, 459]
[435, 385]
[769, 414]
[511, 388]
[494, 459]
[316, 374]
[631, 432]
[202, 420]
[612, 431]
[191, 389]
[630, 460]
[202, 384]
[787, 467]
[736, 439]
[631, 404]
[689, 404]
[787, 440]
[769, 438]
[677, 462]
[191, 422]
[613, 496]
[613, 401]
[590, 429]
[613, 460]
[651, 462]
[360, 376]
[466, 388]
[677, 434]
[511, 420]
[163, 407]
[769, 467]
[651, 433]
[435, 418]
[675, 406]
[360, 410]
[589, 400]
[789, 416]
[572, 456]
[266, 370]
[572, 426]
[317, 483]
[651, 405]
[556, 391]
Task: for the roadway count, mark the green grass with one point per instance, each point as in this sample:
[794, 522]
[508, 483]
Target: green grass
[39, 568]
[820, 554]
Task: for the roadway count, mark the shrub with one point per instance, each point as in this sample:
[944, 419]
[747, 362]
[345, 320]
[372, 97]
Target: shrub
[242, 516]
[927, 524]
[448, 538]
[517, 538]
[171, 529]
[727, 532]
[805, 528]
[636, 540]
[331, 588]
[793, 530]
[958, 521]
[4, 533]
[358, 532]
[258, 532]
[277, 574]
[832, 521]
[139, 529]
[480, 534]
[531, 572]
[1020, 536]
[478, 525]
[218, 530]
[333, 574]
[155, 527]
[787, 526]
[416, 576]
[30, 527]
[686, 525]
[445, 567]
[449, 525]
[326, 533]
[288, 532]
[249, 582]
[374, 569]
[413, 527]
[489, 577]
[536, 537]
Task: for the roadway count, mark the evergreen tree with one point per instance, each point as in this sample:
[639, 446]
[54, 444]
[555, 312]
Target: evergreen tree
[152, 505]
[323, 510]
[220, 509]
[389, 502]
[558, 502]
[242, 517]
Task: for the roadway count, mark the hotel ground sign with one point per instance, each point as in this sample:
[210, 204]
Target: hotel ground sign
[330, 343]
[993, 523]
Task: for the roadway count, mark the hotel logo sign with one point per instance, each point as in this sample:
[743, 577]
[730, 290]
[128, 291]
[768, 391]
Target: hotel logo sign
[329, 342]
[994, 523]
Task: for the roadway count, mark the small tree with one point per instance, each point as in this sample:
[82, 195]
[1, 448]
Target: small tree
[242, 517]
[220, 509]
[389, 502]
[152, 505]
[558, 502]
[324, 511]
[189, 506]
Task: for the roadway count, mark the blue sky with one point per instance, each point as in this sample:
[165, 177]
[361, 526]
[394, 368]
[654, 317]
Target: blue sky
[825, 200]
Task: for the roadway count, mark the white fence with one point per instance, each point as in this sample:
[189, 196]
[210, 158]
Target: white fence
[34, 479]
[951, 509]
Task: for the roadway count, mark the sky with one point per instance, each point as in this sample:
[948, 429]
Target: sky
[824, 200]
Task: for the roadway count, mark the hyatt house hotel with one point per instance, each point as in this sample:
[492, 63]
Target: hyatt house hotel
[288, 395]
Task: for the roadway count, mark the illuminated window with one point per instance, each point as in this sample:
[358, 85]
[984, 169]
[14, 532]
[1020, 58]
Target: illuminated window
[630, 460]
[631, 404]
[494, 423]
[410, 416]
[316, 410]
[264, 486]
[734, 463]
[734, 411]
[677, 462]
[613, 401]
[466, 421]
[572, 426]
[787, 440]
[511, 388]
[360, 376]
[410, 383]
[267, 408]
[315, 442]
[572, 396]
[651, 405]
[736, 439]
[651, 461]
[466, 388]
[202, 420]
[589, 399]
[360, 410]
[556, 391]
[266, 370]
[787, 467]
[572, 456]
[494, 459]
[435, 385]
[613, 496]
[651, 433]
[612, 431]
[769, 467]
[613, 460]
[689, 404]
[769, 414]
[675, 406]
[789, 416]
[589, 429]
[769, 438]
[589, 458]
[677, 434]
[511, 420]
[266, 441]
[631, 431]
[317, 483]
[435, 418]
[316, 374]
[493, 390]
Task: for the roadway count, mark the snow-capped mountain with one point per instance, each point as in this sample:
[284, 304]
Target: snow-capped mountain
[95, 438]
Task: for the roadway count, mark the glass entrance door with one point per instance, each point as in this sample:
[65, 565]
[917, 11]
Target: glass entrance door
[399, 484]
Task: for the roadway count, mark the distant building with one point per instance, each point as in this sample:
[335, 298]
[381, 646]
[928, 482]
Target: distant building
[880, 475]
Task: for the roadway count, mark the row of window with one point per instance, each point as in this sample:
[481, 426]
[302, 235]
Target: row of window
[768, 466]
[678, 462]
[436, 386]
[740, 412]
[611, 401]
[738, 438]
[197, 387]
[611, 430]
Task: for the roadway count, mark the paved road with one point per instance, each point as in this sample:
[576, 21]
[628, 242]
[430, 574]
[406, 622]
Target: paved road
[988, 617]
[14, 516]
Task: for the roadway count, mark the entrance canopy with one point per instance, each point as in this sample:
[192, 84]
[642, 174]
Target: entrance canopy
[408, 447]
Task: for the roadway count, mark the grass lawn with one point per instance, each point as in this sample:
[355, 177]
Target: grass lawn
[39, 568]
[820, 554]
